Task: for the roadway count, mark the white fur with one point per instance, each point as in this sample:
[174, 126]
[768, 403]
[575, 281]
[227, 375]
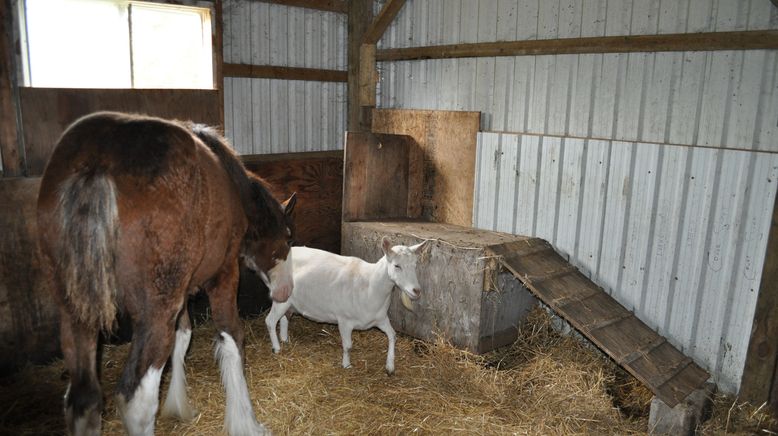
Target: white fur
[239, 417]
[176, 403]
[347, 291]
[138, 415]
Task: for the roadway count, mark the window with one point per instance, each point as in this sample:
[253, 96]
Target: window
[116, 44]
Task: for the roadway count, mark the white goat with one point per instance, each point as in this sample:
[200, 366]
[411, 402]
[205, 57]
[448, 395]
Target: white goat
[347, 291]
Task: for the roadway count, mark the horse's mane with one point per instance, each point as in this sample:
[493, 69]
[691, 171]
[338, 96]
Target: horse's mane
[263, 211]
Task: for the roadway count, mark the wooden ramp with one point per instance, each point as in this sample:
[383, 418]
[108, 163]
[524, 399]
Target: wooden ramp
[669, 374]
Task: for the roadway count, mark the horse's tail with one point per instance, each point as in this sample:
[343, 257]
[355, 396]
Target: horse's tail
[89, 219]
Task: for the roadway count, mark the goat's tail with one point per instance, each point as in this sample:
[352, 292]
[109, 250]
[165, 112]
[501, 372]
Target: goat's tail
[89, 220]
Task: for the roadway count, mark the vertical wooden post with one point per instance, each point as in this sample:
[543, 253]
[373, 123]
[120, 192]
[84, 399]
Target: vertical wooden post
[218, 58]
[13, 158]
[760, 374]
[360, 16]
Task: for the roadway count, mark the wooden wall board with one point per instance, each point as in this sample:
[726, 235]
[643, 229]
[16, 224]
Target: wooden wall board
[317, 178]
[29, 320]
[448, 141]
[599, 317]
[13, 160]
[46, 112]
[381, 177]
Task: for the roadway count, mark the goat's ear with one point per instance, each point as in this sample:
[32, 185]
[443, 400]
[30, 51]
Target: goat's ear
[417, 247]
[288, 205]
[386, 245]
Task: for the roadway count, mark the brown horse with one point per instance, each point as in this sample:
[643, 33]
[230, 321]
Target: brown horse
[136, 214]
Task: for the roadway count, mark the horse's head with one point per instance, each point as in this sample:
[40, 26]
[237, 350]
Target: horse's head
[401, 267]
[266, 249]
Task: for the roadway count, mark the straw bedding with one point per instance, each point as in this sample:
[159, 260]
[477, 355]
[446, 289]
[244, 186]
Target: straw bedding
[545, 383]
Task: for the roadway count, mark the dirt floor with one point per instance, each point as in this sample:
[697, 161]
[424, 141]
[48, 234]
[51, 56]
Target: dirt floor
[545, 383]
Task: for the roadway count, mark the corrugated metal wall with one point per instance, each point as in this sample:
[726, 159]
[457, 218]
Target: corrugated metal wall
[654, 173]
[280, 116]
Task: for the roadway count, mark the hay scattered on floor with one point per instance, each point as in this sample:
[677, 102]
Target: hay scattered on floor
[545, 383]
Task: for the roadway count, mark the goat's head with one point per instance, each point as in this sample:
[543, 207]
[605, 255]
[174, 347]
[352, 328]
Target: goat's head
[401, 267]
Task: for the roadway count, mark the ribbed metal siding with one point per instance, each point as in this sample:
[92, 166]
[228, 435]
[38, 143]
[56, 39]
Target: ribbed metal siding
[675, 233]
[280, 116]
[641, 167]
[718, 99]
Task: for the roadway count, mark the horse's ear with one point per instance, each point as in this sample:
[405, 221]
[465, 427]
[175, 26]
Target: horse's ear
[288, 205]
[386, 245]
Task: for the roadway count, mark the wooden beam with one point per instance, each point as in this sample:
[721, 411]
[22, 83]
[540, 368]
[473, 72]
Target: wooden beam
[360, 15]
[339, 6]
[13, 160]
[368, 76]
[746, 40]
[382, 21]
[760, 374]
[218, 58]
[288, 73]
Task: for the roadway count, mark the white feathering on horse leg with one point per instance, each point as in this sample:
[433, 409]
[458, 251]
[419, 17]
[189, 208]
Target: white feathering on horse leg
[239, 417]
[176, 402]
[139, 413]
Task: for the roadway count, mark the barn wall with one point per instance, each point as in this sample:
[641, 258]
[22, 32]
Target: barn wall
[654, 172]
[281, 116]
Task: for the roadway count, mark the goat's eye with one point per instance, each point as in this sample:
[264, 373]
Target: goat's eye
[398, 267]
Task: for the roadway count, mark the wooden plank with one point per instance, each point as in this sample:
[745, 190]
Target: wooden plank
[339, 6]
[218, 58]
[383, 20]
[46, 112]
[29, 317]
[711, 41]
[287, 73]
[448, 142]
[598, 316]
[760, 374]
[379, 181]
[13, 160]
[317, 178]
[360, 15]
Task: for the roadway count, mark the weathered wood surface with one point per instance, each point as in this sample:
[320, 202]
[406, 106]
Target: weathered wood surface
[448, 141]
[710, 41]
[29, 321]
[286, 73]
[317, 178]
[360, 15]
[630, 342]
[339, 6]
[464, 298]
[382, 177]
[46, 112]
[13, 161]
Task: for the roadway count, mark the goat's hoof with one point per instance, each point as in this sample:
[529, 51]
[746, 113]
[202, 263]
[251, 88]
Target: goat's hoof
[390, 372]
[276, 351]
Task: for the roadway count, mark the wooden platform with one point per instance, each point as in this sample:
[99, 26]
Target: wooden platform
[669, 374]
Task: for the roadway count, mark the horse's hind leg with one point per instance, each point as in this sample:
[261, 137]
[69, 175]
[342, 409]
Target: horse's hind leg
[138, 389]
[239, 418]
[176, 403]
[83, 399]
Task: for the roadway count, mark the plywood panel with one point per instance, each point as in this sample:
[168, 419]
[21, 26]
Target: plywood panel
[46, 112]
[448, 141]
[317, 178]
[29, 320]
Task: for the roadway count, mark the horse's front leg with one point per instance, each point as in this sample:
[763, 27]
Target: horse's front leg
[176, 403]
[222, 293]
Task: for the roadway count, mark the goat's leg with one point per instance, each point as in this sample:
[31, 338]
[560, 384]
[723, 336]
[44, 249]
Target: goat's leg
[277, 312]
[386, 327]
[345, 338]
[176, 403]
[284, 333]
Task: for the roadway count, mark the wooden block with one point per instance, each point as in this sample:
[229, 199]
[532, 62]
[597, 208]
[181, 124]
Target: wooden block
[379, 180]
[464, 297]
[448, 141]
